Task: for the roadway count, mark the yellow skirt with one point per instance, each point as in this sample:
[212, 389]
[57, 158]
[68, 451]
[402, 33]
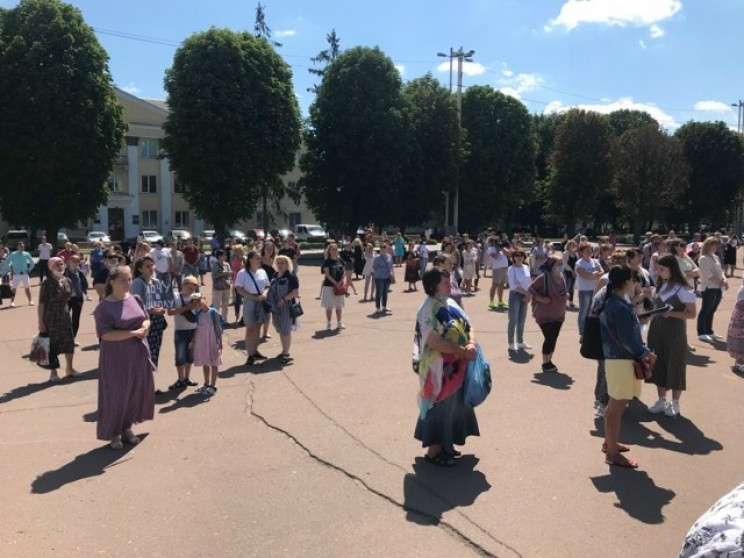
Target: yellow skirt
[621, 380]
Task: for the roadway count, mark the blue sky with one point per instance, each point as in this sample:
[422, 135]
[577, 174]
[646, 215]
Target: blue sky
[674, 58]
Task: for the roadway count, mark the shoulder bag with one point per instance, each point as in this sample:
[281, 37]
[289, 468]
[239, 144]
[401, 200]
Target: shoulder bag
[266, 305]
[591, 340]
[641, 368]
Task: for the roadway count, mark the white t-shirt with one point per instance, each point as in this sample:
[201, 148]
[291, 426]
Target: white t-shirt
[244, 280]
[590, 267]
[685, 294]
[45, 251]
[519, 276]
[179, 322]
[498, 259]
[160, 255]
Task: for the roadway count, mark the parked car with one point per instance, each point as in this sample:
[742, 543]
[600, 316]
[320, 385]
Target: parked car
[310, 233]
[16, 236]
[62, 238]
[97, 236]
[177, 235]
[258, 234]
[150, 237]
[237, 235]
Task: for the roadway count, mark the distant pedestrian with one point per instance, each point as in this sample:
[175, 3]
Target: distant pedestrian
[382, 268]
[45, 252]
[369, 257]
[519, 278]
[411, 261]
[79, 292]
[207, 346]
[221, 275]
[333, 293]
[712, 283]
[55, 319]
[253, 285]
[20, 263]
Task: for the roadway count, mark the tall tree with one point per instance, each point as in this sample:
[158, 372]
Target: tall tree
[626, 119]
[500, 167]
[234, 123]
[356, 141]
[715, 155]
[580, 167]
[436, 152]
[650, 174]
[325, 57]
[62, 126]
[260, 29]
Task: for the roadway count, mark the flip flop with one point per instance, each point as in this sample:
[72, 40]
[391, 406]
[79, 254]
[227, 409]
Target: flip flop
[620, 447]
[622, 461]
[443, 459]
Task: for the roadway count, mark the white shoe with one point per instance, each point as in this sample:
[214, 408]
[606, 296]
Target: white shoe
[386, 310]
[12, 304]
[328, 326]
[672, 409]
[340, 325]
[513, 347]
[599, 412]
[31, 303]
[706, 338]
[659, 407]
[523, 346]
[716, 337]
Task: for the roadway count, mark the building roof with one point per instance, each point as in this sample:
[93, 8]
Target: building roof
[158, 103]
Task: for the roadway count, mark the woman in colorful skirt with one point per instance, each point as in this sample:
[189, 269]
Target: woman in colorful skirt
[735, 339]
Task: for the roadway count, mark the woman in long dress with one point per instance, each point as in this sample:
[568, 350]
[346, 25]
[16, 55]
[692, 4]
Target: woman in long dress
[411, 261]
[443, 343]
[126, 387]
[55, 318]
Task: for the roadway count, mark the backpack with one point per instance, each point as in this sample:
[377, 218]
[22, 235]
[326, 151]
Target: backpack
[546, 288]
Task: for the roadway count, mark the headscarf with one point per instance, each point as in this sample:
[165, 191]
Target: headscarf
[53, 261]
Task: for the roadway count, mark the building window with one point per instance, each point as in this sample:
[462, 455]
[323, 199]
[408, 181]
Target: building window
[177, 186]
[295, 218]
[116, 183]
[149, 149]
[149, 219]
[181, 220]
[149, 184]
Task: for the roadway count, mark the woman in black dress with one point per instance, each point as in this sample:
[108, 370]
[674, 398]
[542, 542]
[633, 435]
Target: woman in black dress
[411, 261]
[358, 258]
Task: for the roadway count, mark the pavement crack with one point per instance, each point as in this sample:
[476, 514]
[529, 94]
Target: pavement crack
[434, 520]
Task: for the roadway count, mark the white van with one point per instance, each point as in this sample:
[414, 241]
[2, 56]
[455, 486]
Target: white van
[310, 233]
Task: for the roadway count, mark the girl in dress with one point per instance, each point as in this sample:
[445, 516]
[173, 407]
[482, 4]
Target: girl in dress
[207, 346]
[369, 257]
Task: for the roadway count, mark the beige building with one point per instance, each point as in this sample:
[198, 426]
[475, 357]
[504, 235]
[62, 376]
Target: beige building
[145, 193]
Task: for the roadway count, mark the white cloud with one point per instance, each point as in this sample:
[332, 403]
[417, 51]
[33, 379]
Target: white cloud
[132, 89]
[468, 68]
[656, 31]
[712, 106]
[666, 120]
[401, 69]
[514, 84]
[642, 44]
[512, 92]
[639, 13]
[285, 33]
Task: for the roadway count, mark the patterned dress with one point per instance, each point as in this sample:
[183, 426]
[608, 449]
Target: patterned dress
[735, 338]
[126, 387]
[54, 295]
[206, 349]
[667, 337]
[280, 287]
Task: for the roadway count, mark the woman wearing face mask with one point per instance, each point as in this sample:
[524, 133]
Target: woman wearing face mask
[55, 319]
[548, 290]
[79, 285]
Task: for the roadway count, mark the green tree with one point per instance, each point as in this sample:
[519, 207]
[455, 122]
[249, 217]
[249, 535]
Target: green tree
[500, 169]
[356, 141]
[435, 154]
[650, 175]
[325, 57]
[234, 124]
[580, 167]
[626, 119]
[260, 28]
[715, 155]
[62, 126]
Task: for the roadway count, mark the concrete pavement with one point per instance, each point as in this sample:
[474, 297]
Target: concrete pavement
[318, 458]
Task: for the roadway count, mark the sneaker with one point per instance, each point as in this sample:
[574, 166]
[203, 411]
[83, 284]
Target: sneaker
[503, 305]
[328, 326]
[12, 304]
[190, 382]
[259, 356]
[492, 305]
[208, 391]
[713, 335]
[31, 303]
[599, 412]
[377, 310]
[513, 347]
[340, 325]
[523, 346]
[385, 310]
[672, 409]
[706, 338]
[201, 389]
[549, 367]
[659, 407]
[178, 384]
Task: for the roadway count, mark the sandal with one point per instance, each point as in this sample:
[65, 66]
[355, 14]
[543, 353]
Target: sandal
[129, 437]
[443, 459]
[621, 461]
[116, 444]
[620, 447]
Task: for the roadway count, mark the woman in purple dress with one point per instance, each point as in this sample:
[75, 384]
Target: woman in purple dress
[126, 388]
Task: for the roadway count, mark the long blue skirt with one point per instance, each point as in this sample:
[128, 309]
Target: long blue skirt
[447, 423]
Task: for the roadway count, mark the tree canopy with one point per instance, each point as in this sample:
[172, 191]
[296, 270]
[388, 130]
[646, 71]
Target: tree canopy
[234, 124]
[626, 119]
[62, 126]
[356, 141]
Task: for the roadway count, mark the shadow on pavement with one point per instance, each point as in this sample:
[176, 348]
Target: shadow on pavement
[701, 361]
[689, 438]
[433, 490]
[555, 380]
[188, 401]
[90, 464]
[91, 417]
[325, 333]
[90, 347]
[31, 389]
[636, 492]
[520, 357]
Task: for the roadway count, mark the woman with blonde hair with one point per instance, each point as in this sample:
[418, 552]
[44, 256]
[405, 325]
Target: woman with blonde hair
[333, 292]
[712, 283]
[252, 284]
[283, 290]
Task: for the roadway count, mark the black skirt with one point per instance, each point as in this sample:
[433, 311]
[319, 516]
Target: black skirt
[447, 423]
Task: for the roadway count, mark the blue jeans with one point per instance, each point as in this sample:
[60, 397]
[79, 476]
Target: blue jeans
[517, 316]
[182, 338]
[570, 284]
[585, 303]
[381, 292]
[711, 300]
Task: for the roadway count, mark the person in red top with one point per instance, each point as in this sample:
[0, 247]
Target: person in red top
[191, 259]
[65, 253]
[549, 309]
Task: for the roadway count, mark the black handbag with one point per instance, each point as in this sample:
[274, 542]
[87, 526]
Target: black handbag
[591, 341]
[295, 309]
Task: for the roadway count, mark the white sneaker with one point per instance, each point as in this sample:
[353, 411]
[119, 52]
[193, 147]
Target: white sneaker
[599, 412]
[513, 347]
[659, 407]
[340, 325]
[31, 303]
[12, 304]
[716, 337]
[523, 346]
[706, 338]
[672, 409]
[328, 326]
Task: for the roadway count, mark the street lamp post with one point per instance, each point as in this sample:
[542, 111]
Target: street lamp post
[740, 130]
[462, 57]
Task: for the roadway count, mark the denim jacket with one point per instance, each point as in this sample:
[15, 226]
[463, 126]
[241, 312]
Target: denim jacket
[618, 317]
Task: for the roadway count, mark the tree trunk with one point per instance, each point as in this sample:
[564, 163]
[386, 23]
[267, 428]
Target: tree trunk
[265, 212]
